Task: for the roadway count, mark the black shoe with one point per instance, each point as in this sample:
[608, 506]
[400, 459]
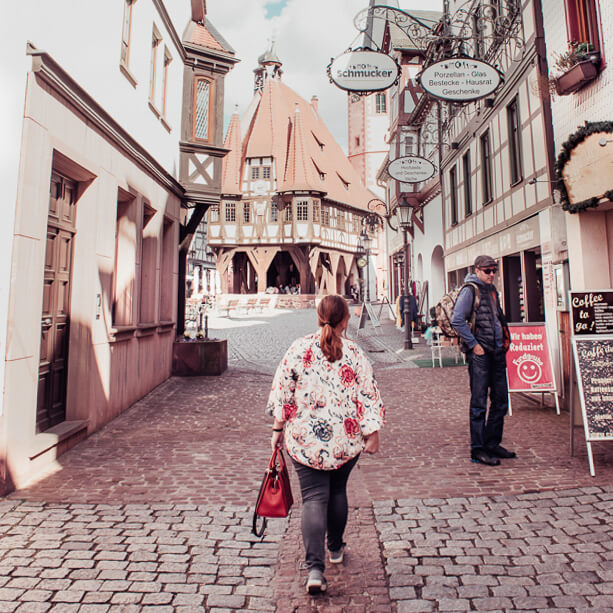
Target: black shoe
[501, 452]
[481, 457]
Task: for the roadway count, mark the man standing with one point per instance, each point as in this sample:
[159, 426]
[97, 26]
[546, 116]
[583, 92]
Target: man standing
[486, 342]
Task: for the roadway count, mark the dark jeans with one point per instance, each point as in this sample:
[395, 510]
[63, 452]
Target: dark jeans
[487, 372]
[324, 508]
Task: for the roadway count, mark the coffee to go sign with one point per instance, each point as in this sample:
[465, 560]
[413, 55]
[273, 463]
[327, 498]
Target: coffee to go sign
[460, 79]
[363, 71]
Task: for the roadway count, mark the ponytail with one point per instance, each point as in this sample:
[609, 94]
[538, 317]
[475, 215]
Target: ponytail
[331, 312]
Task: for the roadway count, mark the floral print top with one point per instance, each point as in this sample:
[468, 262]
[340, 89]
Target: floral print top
[327, 407]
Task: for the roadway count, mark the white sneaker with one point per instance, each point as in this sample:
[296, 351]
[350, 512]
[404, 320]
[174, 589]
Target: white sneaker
[336, 557]
[316, 583]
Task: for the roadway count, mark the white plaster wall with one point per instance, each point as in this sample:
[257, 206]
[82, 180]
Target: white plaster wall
[84, 37]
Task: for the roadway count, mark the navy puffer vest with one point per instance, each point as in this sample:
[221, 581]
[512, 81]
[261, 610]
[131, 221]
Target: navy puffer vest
[485, 320]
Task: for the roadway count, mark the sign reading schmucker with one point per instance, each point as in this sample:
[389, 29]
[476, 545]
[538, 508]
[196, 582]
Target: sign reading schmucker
[363, 71]
[460, 79]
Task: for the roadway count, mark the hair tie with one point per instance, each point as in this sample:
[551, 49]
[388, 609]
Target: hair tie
[326, 323]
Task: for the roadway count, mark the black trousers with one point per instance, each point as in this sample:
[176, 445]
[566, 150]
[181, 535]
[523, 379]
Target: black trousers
[324, 509]
[488, 373]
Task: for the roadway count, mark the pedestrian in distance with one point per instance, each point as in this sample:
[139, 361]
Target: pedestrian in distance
[484, 335]
[327, 410]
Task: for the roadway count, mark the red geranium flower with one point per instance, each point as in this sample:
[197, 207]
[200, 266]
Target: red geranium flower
[347, 376]
[289, 411]
[352, 428]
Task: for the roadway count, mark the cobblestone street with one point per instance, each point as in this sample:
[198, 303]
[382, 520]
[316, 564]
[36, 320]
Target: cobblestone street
[153, 512]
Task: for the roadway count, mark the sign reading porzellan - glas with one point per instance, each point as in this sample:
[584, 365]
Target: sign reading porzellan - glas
[411, 169]
[460, 79]
[363, 71]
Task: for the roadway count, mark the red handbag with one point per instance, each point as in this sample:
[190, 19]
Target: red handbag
[275, 498]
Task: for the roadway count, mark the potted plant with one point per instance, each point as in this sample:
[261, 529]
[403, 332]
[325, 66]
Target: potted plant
[577, 66]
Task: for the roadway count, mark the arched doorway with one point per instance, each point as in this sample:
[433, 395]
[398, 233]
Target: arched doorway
[437, 276]
[244, 280]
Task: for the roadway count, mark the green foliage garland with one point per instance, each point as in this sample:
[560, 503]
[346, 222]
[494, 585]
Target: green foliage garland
[573, 140]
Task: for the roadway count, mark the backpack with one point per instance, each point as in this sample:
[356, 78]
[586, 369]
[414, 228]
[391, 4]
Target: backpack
[444, 310]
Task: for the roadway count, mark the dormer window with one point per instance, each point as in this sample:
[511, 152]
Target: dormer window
[321, 173]
[321, 145]
[345, 183]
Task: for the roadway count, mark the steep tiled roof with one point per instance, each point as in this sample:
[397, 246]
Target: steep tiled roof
[307, 158]
[231, 177]
[205, 35]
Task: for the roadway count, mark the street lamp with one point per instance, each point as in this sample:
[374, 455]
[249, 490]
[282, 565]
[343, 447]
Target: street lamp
[366, 242]
[403, 210]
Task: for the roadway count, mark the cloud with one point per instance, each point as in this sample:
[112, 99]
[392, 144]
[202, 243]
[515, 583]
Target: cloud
[307, 35]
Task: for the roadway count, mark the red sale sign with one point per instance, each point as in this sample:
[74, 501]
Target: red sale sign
[529, 360]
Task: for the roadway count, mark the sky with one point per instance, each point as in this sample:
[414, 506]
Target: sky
[307, 34]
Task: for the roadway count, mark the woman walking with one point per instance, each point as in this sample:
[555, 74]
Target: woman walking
[327, 408]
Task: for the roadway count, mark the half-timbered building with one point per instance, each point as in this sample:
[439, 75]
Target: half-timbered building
[292, 204]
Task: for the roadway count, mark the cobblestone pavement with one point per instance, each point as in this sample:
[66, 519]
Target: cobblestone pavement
[153, 511]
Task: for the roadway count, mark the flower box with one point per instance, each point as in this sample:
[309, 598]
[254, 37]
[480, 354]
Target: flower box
[576, 77]
[200, 357]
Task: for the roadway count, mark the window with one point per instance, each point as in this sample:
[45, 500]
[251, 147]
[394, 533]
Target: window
[340, 219]
[582, 22]
[274, 211]
[230, 211]
[154, 79]
[126, 32]
[380, 104]
[325, 215]
[320, 144]
[288, 211]
[148, 266]
[255, 172]
[166, 276]
[302, 210]
[514, 128]
[266, 172]
[486, 167]
[167, 60]
[202, 102]
[125, 259]
[468, 196]
[407, 144]
[453, 195]
[316, 209]
[214, 214]
[246, 212]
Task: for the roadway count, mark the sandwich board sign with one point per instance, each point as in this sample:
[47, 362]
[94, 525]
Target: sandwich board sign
[592, 343]
[529, 362]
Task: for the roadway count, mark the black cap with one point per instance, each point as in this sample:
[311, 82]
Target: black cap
[484, 261]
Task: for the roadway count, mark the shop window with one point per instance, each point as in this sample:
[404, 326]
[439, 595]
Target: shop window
[230, 208]
[246, 212]
[125, 259]
[380, 104]
[302, 210]
[453, 195]
[167, 291]
[468, 195]
[148, 265]
[514, 134]
[582, 22]
[202, 108]
[486, 167]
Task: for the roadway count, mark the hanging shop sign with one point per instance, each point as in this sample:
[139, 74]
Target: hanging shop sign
[363, 71]
[460, 79]
[411, 169]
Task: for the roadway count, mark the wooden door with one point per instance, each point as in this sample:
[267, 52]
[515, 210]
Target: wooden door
[55, 321]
